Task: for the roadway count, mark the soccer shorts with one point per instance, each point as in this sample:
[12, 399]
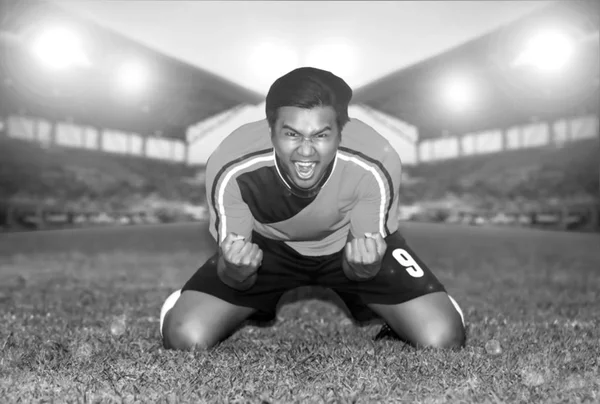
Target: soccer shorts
[403, 276]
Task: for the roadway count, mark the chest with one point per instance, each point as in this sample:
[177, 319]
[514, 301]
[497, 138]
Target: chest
[327, 213]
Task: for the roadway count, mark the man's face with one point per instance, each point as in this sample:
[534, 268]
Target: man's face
[305, 141]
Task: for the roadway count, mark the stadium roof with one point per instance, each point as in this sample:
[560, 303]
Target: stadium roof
[179, 94]
[507, 95]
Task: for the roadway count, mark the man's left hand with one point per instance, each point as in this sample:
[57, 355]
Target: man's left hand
[363, 257]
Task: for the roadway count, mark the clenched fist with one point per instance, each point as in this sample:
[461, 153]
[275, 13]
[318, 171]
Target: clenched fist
[363, 257]
[239, 262]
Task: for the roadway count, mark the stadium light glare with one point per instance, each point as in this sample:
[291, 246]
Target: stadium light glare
[459, 93]
[336, 55]
[269, 59]
[133, 77]
[59, 48]
[548, 51]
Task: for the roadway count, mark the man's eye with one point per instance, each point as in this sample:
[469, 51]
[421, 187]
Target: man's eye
[291, 134]
[322, 135]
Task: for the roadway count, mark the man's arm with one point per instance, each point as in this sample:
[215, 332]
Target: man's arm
[239, 259]
[228, 211]
[374, 217]
[376, 210]
[231, 225]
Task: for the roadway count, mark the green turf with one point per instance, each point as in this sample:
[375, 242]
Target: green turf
[536, 293]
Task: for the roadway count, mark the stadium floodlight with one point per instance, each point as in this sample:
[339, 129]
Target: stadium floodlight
[548, 51]
[132, 76]
[459, 93]
[59, 48]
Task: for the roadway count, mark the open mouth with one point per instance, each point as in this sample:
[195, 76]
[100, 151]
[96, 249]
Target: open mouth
[305, 170]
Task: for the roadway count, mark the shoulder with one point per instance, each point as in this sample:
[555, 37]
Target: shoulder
[362, 143]
[248, 140]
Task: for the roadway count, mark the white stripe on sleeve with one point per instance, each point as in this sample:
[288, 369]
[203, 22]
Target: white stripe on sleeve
[221, 190]
[380, 182]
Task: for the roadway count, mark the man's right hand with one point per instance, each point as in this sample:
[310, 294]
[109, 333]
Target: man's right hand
[240, 260]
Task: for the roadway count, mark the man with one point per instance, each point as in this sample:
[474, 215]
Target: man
[308, 197]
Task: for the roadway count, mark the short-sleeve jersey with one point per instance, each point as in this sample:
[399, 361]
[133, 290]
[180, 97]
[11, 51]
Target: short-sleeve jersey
[246, 191]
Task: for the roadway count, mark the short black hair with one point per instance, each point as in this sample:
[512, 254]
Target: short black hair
[309, 87]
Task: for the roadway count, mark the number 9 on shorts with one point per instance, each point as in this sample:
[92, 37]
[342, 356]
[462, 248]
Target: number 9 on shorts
[408, 262]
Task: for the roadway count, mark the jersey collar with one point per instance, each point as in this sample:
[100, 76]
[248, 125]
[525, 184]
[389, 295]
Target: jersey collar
[302, 192]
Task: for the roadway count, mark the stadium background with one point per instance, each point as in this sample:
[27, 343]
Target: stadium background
[497, 133]
[491, 132]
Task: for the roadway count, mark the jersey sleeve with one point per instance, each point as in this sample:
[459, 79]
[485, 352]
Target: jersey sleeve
[377, 207]
[228, 212]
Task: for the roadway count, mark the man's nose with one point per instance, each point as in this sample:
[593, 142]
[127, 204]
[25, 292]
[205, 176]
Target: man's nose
[306, 148]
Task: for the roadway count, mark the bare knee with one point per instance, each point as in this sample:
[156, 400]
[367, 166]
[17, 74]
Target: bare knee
[184, 335]
[444, 335]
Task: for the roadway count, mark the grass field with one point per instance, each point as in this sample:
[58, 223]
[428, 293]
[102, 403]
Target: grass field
[65, 297]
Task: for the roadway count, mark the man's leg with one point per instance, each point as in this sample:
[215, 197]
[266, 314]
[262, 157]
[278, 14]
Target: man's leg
[208, 310]
[200, 320]
[425, 315]
[407, 295]
[430, 320]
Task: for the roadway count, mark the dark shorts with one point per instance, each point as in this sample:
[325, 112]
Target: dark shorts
[403, 276]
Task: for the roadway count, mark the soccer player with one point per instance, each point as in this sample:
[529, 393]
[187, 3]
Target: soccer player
[308, 197]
